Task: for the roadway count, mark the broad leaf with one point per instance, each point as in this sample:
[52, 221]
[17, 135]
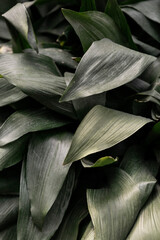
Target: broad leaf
[124, 195]
[25, 226]
[115, 12]
[12, 153]
[149, 8]
[31, 120]
[120, 198]
[37, 76]
[60, 56]
[105, 66]
[89, 232]
[9, 93]
[9, 233]
[8, 211]
[45, 171]
[148, 26]
[89, 5]
[21, 29]
[70, 224]
[147, 225]
[102, 128]
[93, 25]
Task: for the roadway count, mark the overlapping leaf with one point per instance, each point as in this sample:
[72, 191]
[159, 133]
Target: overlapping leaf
[92, 26]
[26, 229]
[30, 120]
[21, 29]
[102, 128]
[45, 171]
[37, 76]
[105, 66]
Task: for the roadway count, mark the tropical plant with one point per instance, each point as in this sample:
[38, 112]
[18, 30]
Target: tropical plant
[80, 110]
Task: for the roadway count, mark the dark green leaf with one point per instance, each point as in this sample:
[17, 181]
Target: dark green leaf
[115, 12]
[9, 233]
[8, 211]
[102, 128]
[148, 26]
[12, 153]
[30, 120]
[21, 29]
[25, 226]
[105, 66]
[45, 171]
[147, 226]
[89, 5]
[149, 8]
[9, 93]
[70, 224]
[60, 56]
[93, 25]
[37, 76]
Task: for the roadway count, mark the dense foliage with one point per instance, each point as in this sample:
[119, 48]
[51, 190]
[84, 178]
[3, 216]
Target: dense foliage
[79, 115]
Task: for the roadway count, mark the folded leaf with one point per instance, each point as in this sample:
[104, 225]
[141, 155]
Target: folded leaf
[8, 211]
[9, 233]
[105, 66]
[102, 128]
[115, 12]
[149, 8]
[31, 120]
[60, 56]
[70, 224]
[37, 76]
[12, 153]
[25, 225]
[110, 204]
[101, 162]
[93, 25]
[147, 225]
[9, 93]
[147, 25]
[45, 171]
[21, 29]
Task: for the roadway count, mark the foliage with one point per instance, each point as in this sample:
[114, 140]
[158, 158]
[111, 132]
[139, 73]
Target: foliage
[80, 120]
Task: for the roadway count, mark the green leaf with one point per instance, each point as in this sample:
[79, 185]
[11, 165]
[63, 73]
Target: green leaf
[8, 211]
[101, 162]
[45, 171]
[37, 76]
[25, 226]
[115, 12]
[30, 120]
[89, 232]
[20, 27]
[102, 128]
[9, 93]
[148, 26]
[84, 105]
[89, 5]
[105, 66]
[93, 25]
[70, 224]
[146, 48]
[124, 193]
[9, 233]
[120, 198]
[147, 225]
[142, 168]
[60, 56]
[149, 8]
[12, 153]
